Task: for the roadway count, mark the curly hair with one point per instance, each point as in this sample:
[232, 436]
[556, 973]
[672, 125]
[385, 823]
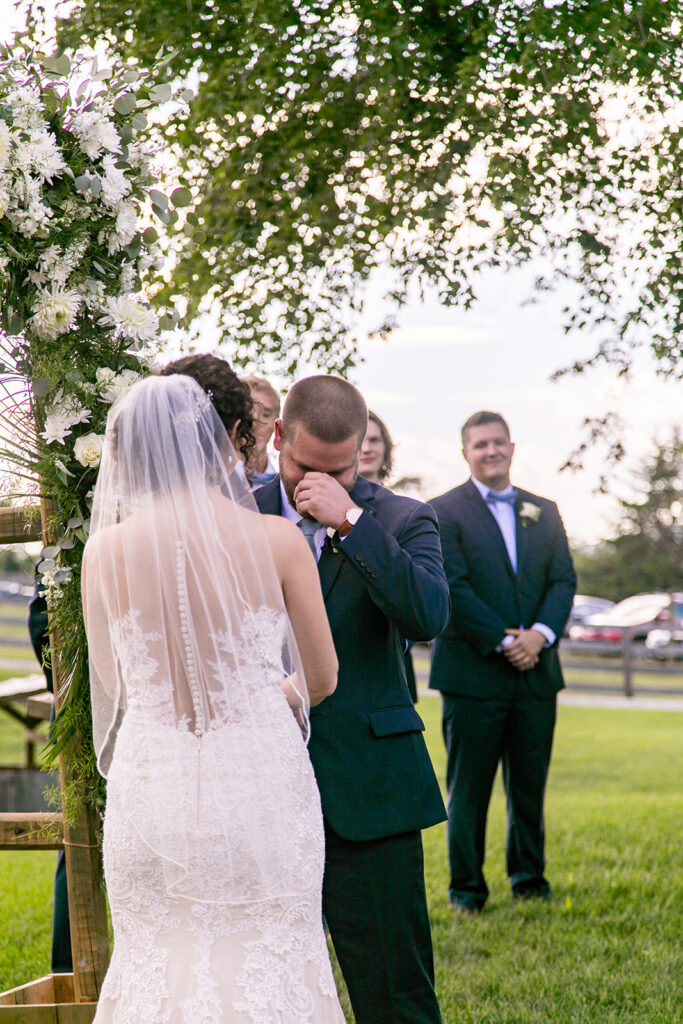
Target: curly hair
[230, 396]
[388, 460]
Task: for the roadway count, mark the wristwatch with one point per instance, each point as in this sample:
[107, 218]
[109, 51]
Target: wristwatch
[352, 517]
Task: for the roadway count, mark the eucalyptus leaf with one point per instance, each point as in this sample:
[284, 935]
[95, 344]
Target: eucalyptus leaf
[40, 387]
[130, 75]
[181, 197]
[167, 322]
[139, 122]
[47, 563]
[50, 552]
[150, 236]
[74, 522]
[125, 104]
[67, 543]
[82, 182]
[95, 186]
[160, 93]
[158, 199]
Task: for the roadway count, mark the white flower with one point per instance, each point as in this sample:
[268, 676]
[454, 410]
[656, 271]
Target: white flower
[57, 428]
[95, 133]
[5, 145]
[115, 184]
[54, 312]
[4, 201]
[131, 318]
[126, 226]
[40, 155]
[529, 512]
[27, 107]
[88, 449]
[112, 385]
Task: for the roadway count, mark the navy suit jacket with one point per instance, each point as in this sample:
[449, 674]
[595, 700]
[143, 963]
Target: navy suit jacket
[488, 596]
[384, 582]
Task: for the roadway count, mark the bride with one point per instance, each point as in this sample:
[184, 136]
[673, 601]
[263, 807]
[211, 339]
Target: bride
[208, 641]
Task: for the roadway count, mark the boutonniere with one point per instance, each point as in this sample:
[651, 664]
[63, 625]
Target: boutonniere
[529, 513]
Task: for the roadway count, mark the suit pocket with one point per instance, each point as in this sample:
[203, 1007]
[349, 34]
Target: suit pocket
[394, 721]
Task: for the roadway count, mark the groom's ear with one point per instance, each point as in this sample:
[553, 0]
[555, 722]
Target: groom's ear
[277, 437]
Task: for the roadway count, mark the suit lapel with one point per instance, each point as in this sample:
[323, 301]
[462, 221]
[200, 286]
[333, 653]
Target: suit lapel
[522, 533]
[490, 525]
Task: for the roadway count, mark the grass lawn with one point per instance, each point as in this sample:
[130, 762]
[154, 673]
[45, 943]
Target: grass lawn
[605, 951]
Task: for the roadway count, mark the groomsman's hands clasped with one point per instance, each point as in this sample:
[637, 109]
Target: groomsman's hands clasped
[322, 497]
[524, 650]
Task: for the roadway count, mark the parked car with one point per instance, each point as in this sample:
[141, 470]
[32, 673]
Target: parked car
[583, 606]
[663, 643]
[639, 614]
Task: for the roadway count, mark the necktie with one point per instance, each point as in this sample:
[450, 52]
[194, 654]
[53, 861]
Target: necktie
[259, 479]
[510, 498]
[309, 528]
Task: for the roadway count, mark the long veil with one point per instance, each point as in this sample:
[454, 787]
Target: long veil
[190, 646]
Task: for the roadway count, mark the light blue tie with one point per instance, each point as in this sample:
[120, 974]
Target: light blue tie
[510, 498]
[309, 528]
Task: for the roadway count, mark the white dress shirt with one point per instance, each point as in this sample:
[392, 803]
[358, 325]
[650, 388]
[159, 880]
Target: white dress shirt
[505, 516]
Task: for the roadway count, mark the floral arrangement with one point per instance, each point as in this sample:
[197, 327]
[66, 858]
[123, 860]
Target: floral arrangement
[80, 215]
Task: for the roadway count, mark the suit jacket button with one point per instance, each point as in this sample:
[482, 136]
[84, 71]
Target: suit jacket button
[359, 558]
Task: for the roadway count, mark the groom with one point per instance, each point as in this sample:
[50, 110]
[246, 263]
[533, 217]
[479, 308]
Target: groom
[382, 579]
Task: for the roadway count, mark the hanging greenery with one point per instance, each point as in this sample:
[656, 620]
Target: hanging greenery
[82, 217]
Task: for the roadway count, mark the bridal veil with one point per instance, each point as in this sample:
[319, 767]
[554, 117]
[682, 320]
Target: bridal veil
[189, 647]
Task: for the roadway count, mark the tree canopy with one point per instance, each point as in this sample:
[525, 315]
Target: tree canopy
[330, 139]
[647, 552]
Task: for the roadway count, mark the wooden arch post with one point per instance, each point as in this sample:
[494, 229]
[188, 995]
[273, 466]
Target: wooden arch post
[59, 998]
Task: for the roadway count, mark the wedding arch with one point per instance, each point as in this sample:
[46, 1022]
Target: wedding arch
[81, 244]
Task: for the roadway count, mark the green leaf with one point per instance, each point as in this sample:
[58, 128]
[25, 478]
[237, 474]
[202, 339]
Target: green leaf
[82, 183]
[75, 522]
[40, 387]
[60, 65]
[95, 186]
[158, 199]
[125, 104]
[50, 552]
[167, 322]
[150, 236]
[66, 543]
[181, 197]
[139, 122]
[161, 93]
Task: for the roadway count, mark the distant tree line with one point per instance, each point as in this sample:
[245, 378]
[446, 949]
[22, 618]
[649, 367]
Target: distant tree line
[646, 553]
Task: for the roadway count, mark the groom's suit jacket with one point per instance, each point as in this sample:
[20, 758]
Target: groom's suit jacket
[488, 596]
[384, 582]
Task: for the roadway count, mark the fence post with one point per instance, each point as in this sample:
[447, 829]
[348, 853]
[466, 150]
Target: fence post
[628, 663]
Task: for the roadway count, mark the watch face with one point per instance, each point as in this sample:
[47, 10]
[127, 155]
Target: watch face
[353, 515]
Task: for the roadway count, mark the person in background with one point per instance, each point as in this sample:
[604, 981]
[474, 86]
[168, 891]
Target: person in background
[260, 468]
[496, 664]
[376, 455]
[376, 463]
[61, 959]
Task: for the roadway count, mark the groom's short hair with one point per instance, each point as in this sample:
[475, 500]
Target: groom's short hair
[328, 408]
[480, 419]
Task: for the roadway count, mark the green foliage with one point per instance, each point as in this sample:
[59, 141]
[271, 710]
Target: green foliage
[647, 553]
[605, 951]
[330, 138]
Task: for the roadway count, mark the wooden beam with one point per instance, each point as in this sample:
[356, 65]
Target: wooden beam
[20, 524]
[40, 830]
[48, 1000]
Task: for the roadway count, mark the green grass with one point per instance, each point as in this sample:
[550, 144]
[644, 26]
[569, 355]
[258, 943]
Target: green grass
[605, 951]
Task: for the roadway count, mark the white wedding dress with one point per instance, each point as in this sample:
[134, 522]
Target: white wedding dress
[176, 958]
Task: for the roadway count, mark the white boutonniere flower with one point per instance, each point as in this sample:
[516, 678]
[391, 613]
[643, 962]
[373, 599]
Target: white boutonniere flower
[529, 513]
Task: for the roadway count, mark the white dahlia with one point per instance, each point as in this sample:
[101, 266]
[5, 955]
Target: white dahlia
[131, 318]
[54, 312]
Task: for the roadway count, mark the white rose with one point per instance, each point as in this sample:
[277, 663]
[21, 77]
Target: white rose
[88, 449]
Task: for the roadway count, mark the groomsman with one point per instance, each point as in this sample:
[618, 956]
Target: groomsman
[382, 579]
[512, 583]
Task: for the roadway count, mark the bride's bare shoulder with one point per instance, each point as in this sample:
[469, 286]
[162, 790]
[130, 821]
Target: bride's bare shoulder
[285, 539]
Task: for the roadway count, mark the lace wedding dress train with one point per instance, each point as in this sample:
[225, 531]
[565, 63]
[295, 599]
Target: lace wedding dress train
[180, 960]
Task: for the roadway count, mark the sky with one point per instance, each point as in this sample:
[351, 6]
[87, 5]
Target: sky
[443, 364]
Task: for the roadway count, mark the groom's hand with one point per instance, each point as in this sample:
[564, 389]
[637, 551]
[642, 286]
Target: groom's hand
[322, 497]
